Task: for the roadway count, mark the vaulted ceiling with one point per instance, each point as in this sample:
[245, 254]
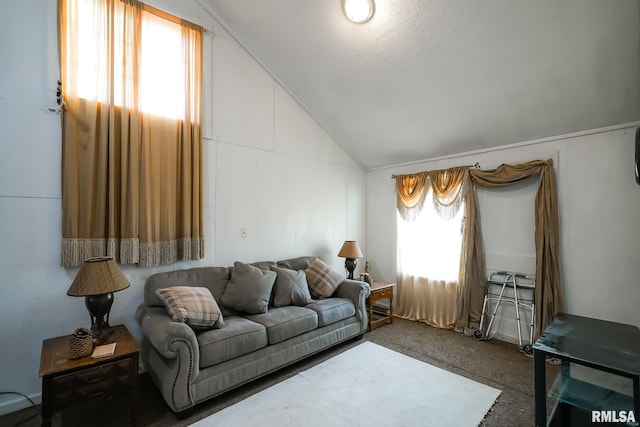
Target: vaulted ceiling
[429, 78]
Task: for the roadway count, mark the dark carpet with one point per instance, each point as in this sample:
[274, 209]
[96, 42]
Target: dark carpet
[494, 363]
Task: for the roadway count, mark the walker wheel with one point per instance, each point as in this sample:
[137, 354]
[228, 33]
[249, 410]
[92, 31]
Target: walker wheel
[527, 349]
[478, 334]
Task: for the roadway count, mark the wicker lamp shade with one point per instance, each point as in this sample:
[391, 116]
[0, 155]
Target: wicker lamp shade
[98, 276]
[97, 280]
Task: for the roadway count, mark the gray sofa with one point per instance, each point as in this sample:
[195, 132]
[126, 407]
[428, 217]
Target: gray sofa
[192, 365]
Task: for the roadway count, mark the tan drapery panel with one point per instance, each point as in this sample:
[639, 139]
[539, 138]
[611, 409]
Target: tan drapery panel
[131, 180]
[547, 294]
[432, 301]
[471, 290]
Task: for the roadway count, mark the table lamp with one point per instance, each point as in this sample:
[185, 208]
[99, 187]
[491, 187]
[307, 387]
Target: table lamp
[97, 280]
[350, 251]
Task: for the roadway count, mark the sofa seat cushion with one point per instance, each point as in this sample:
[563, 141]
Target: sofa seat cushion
[283, 323]
[239, 336]
[331, 310]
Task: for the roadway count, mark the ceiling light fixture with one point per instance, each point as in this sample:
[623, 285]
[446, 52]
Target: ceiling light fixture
[358, 11]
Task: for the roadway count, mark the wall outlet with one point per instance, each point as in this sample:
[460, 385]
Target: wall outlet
[243, 232]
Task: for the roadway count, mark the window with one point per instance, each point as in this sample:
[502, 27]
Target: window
[157, 70]
[132, 144]
[430, 246]
[458, 304]
[431, 209]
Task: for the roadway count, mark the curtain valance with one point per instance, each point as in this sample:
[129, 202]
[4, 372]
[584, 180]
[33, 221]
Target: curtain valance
[411, 190]
[446, 185]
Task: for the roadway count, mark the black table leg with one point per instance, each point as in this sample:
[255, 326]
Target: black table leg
[636, 398]
[540, 387]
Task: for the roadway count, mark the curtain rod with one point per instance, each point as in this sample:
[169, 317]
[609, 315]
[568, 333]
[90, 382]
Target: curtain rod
[476, 165]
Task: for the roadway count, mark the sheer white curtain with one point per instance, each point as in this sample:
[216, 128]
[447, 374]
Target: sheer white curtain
[429, 248]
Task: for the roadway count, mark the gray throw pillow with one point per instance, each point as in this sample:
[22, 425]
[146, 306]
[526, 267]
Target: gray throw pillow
[290, 288]
[249, 289]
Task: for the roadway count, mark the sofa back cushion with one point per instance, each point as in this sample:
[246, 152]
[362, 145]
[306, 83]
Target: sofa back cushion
[265, 265]
[213, 278]
[299, 263]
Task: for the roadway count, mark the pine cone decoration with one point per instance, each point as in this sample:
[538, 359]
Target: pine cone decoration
[80, 344]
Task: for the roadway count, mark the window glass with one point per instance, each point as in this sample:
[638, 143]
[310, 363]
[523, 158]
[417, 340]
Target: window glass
[159, 75]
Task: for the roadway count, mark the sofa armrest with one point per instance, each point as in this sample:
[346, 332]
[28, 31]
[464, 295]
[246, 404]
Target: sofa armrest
[357, 291]
[166, 336]
[173, 360]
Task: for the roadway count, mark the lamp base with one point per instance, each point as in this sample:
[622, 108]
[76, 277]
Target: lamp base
[104, 337]
[350, 265]
[99, 307]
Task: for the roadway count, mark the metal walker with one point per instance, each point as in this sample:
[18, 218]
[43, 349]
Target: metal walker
[515, 281]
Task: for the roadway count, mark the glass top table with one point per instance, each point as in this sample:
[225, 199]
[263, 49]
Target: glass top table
[598, 344]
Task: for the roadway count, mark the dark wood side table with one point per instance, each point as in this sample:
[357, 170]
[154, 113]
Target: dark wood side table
[66, 382]
[380, 291]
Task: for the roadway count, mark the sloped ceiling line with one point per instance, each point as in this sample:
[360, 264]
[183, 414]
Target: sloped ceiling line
[208, 9]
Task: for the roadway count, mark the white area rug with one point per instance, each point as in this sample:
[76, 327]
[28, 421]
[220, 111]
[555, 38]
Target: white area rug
[368, 385]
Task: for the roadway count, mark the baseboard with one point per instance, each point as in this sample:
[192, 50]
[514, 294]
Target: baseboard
[14, 402]
[506, 338]
[505, 325]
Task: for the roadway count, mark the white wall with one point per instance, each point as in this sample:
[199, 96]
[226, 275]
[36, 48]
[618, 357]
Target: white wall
[268, 166]
[599, 209]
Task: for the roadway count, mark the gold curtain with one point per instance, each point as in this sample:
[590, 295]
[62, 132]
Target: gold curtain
[411, 191]
[471, 290]
[430, 300]
[131, 180]
[548, 299]
[448, 190]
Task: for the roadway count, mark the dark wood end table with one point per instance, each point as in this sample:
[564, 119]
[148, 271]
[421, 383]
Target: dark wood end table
[380, 291]
[66, 382]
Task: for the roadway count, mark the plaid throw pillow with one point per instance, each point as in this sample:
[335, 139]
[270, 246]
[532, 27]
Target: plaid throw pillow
[322, 280]
[194, 306]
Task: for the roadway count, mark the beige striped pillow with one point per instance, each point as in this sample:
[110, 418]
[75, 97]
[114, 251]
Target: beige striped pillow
[322, 279]
[194, 306]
